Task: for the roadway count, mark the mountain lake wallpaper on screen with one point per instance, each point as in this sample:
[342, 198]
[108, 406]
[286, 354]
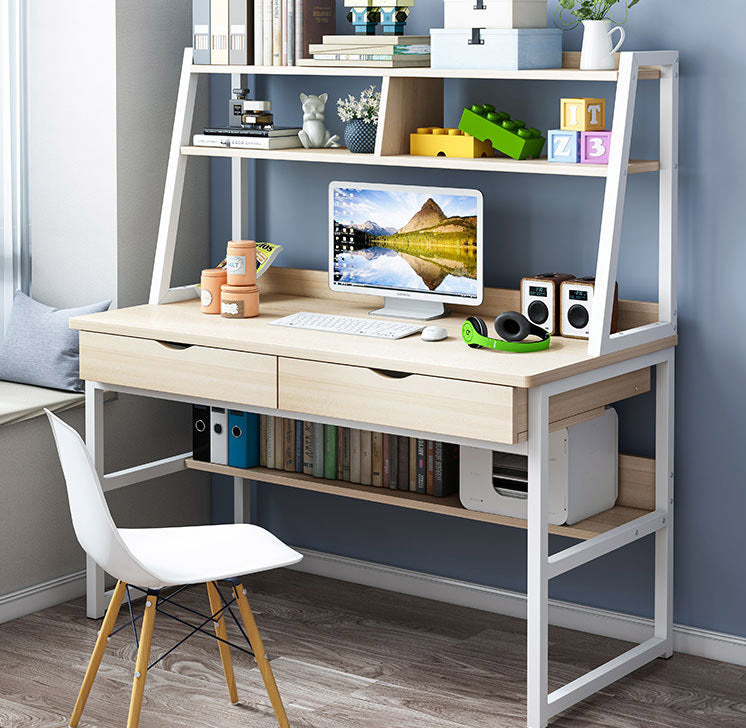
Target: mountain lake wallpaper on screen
[406, 239]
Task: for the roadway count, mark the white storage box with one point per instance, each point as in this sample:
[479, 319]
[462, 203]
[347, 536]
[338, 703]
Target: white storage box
[494, 48]
[583, 473]
[495, 13]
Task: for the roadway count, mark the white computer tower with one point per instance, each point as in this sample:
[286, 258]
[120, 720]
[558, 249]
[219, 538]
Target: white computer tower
[583, 473]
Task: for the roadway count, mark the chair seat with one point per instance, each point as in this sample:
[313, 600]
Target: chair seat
[196, 554]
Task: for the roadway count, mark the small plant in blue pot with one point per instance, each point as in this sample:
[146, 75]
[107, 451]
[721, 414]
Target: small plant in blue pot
[361, 120]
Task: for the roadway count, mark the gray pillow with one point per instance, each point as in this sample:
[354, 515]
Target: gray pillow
[40, 348]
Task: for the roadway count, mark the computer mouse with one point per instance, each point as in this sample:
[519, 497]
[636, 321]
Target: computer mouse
[434, 333]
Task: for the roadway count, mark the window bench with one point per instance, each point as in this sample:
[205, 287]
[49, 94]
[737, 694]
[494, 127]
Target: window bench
[19, 402]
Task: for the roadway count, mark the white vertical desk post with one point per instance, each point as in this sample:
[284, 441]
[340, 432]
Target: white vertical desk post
[94, 438]
[538, 555]
[664, 481]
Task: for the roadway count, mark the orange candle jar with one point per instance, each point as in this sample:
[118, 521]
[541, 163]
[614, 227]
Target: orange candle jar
[239, 301]
[211, 281]
[240, 262]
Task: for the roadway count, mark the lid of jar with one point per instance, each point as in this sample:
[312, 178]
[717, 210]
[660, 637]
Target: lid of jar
[214, 273]
[225, 288]
[247, 244]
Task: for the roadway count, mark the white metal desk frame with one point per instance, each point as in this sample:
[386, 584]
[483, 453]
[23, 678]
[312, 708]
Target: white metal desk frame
[542, 567]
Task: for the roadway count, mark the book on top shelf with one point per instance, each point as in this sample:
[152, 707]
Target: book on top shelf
[398, 62]
[319, 17]
[357, 40]
[240, 32]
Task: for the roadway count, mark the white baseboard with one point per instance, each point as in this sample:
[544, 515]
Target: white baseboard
[691, 640]
[41, 596]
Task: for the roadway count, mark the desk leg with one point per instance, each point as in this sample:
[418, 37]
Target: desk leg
[538, 555]
[94, 438]
[664, 481]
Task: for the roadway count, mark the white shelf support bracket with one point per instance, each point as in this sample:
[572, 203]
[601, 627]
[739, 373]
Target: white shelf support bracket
[538, 555]
[613, 208]
[169, 224]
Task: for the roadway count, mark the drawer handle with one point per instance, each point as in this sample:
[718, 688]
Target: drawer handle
[391, 373]
[175, 345]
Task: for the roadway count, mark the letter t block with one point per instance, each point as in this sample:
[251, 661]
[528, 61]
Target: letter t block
[583, 114]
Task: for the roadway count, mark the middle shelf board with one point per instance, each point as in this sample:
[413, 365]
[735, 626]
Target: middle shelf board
[493, 164]
[448, 506]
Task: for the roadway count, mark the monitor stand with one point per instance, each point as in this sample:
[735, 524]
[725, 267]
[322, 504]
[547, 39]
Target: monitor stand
[410, 308]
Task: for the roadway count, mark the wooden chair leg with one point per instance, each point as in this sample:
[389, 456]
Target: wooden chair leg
[98, 652]
[143, 657]
[222, 633]
[261, 658]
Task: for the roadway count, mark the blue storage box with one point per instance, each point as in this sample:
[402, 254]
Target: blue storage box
[496, 48]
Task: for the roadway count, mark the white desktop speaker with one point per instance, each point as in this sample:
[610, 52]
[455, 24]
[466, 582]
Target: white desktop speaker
[576, 306]
[540, 299]
[583, 473]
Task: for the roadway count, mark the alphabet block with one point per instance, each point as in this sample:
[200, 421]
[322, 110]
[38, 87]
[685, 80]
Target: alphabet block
[564, 146]
[583, 114]
[594, 147]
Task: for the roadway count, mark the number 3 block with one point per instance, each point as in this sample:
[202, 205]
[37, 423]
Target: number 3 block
[594, 147]
[564, 146]
[583, 114]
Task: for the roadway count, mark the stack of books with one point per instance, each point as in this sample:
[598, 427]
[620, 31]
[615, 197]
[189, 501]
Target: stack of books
[351, 455]
[258, 32]
[378, 51]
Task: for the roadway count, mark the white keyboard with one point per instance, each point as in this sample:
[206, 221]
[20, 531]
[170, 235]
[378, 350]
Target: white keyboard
[348, 325]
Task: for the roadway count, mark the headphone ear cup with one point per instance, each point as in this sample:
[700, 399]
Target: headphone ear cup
[512, 326]
[480, 327]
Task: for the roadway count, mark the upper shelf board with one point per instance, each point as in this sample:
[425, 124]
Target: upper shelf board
[492, 164]
[551, 74]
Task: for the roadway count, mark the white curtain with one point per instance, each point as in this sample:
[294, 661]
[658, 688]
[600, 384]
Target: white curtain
[14, 250]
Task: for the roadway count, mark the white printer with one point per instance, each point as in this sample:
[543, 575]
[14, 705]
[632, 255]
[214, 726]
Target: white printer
[583, 473]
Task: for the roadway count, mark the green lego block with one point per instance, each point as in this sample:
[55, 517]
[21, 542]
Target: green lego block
[508, 136]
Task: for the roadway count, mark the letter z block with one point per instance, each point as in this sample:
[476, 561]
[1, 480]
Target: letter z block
[564, 146]
[594, 147]
[583, 114]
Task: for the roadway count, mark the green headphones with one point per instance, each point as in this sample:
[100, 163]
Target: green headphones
[512, 327]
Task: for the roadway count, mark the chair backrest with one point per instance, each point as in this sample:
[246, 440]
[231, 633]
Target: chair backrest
[94, 527]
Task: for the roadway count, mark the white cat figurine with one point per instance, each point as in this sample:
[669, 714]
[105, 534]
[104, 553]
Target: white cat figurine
[314, 134]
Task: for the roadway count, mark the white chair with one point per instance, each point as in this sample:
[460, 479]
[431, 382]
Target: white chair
[154, 558]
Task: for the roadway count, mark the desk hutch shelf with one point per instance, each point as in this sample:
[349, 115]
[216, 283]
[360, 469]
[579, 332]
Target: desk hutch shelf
[478, 398]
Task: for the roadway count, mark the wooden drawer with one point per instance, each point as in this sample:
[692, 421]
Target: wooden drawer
[428, 404]
[199, 371]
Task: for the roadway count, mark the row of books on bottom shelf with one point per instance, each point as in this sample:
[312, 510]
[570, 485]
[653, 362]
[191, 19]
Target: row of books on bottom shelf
[352, 455]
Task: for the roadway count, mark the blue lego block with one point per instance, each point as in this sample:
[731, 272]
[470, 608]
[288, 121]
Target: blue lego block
[564, 146]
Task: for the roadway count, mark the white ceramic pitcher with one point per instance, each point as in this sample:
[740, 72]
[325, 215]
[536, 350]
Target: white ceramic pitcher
[597, 54]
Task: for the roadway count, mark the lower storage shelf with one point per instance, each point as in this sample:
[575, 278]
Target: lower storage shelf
[448, 506]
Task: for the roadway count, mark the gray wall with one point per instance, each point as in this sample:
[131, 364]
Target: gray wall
[543, 223]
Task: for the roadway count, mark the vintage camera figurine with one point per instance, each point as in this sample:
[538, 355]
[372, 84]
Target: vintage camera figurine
[248, 113]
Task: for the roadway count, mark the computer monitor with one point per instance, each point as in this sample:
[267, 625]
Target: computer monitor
[419, 247]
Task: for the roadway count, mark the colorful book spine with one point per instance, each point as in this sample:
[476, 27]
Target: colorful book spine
[376, 464]
[201, 31]
[429, 476]
[421, 465]
[299, 446]
[346, 457]
[403, 463]
[412, 465]
[365, 457]
[330, 452]
[263, 440]
[394, 464]
[279, 443]
[318, 450]
[354, 455]
[289, 436]
[308, 448]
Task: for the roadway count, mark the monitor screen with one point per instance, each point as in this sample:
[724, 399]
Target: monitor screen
[397, 240]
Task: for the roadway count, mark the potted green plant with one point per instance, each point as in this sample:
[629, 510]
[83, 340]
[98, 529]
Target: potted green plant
[597, 53]
[360, 115]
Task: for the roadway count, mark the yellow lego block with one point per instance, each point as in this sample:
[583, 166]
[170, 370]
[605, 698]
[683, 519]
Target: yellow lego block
[434, 141]
[583, 114]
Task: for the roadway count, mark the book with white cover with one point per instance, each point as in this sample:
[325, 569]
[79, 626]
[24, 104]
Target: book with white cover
[258, 58]
[267, 32]
[246, 142]
[219, 32]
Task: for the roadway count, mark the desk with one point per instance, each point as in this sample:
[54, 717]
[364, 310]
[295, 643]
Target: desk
[422, 389]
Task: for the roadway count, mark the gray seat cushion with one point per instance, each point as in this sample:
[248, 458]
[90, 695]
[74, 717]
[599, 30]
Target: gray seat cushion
[40, 348]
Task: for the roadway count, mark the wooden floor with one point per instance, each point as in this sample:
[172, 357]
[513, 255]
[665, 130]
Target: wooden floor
[347, 656]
